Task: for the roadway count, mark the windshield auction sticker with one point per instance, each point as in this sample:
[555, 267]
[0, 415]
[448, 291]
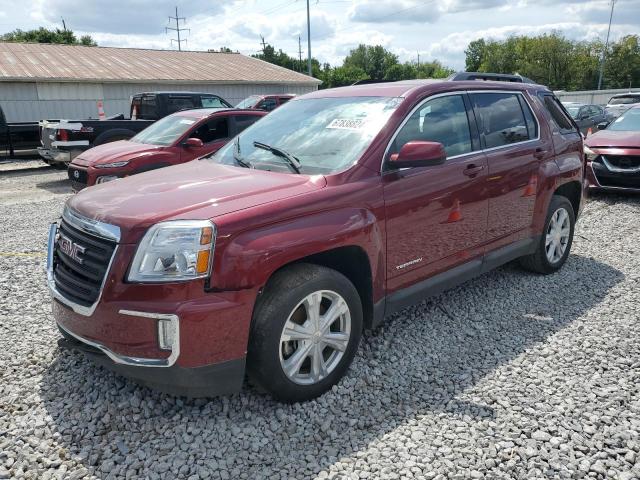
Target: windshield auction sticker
[346, 124]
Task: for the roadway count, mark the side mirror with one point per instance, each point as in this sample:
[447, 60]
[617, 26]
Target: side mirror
[418, 154]
[603, 125]
[193, 143]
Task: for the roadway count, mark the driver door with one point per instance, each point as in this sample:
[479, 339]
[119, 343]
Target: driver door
[436, 217]
[214, 133]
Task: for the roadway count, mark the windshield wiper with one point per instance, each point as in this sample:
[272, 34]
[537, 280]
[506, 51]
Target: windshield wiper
[292, 161]
[236, 155]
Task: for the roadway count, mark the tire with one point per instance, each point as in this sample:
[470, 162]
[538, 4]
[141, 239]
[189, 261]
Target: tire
[287, 299]
[540, 261]
[113, 136]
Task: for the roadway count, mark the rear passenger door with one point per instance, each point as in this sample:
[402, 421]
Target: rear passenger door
[240, 122]
[510, 136]
[436, 217]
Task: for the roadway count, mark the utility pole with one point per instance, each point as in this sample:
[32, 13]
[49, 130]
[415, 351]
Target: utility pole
[64, 25]
[264, 45]
[606, 45]
[418, 59]
[308, 40]
[300, 52]
[177, 29]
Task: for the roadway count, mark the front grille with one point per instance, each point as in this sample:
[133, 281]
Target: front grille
[618, 180]
[78, 281]
[77, 186]
[626, 162]
[77, 176]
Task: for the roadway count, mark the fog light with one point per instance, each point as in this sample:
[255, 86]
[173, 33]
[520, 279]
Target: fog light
[166, 334]
[106, 178]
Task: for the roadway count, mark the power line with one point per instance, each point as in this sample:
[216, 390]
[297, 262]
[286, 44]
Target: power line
[177, 29]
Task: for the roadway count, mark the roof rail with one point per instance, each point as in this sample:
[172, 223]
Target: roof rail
[494, 77]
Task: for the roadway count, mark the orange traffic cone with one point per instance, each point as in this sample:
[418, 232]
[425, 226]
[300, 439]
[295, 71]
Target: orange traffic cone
[455, 215]
[101, 114]
[532, 187]
[588, 132]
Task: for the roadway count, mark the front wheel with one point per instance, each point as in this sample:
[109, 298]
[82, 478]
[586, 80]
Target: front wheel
[555, 244]
[306, 329]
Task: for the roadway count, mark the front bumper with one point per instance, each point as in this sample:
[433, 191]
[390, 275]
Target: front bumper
[121, 330]
[207, 381]
[601, 178]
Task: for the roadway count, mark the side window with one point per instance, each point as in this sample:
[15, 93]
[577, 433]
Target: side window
[213, 130]
[501, 118]
[175, 104]
[532, 125]
[243, 121]
[267, 104]
[284, 100]
[444, 120]
[558, 118]
[212, 102]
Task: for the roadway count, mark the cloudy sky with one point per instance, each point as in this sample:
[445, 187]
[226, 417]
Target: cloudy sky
[434, 29]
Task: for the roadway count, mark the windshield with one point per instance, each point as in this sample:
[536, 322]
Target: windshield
[165, 131]
[249, 101]
[627, 122]
[573, 111]
[324, 135]
[626, 100]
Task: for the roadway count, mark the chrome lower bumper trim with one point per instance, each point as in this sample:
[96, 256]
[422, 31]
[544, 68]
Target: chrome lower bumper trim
[137, 361]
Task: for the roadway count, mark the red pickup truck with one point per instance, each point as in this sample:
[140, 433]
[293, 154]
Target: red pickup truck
[177, 138]
[332, 212]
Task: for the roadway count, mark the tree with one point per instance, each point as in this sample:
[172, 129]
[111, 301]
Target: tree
[374, 60]
[560, 63]
[44, 35]
[475, 55]
[622, 63]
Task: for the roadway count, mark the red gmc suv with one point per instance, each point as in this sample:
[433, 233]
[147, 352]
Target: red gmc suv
[343, 206]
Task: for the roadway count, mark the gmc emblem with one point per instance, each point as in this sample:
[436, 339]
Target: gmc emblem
[71, 249]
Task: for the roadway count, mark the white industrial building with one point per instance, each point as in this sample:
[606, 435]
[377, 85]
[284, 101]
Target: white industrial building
[43, 81]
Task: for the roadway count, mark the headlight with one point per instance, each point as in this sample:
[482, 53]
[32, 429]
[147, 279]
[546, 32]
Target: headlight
[112, 164]
[174, 251]
[590, 154]
[106, 178]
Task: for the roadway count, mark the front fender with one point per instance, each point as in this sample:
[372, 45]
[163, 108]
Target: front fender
[248, 259]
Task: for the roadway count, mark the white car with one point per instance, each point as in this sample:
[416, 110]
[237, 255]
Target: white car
[618, 104]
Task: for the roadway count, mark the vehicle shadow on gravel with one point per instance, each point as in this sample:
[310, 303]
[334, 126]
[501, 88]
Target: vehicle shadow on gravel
[423, 362]
[56, 186]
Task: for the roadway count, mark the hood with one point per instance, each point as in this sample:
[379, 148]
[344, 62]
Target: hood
[613, 138]
[194, 190]
[115, 152]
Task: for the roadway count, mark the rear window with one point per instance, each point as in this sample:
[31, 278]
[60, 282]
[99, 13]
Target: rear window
[504, 118]
[249, 102]
[624, 100]
[148, 108]
[175, 104]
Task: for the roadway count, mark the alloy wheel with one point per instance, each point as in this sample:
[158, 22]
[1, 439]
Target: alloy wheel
[557, 237]
[315, 337]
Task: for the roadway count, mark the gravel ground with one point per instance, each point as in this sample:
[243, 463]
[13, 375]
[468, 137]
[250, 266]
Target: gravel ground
[512, 375]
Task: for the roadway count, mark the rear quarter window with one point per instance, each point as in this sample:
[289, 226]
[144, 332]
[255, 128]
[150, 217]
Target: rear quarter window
[559, 119]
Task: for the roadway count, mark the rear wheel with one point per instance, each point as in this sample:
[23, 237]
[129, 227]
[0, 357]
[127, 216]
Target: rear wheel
[555, 243]
[307, 326]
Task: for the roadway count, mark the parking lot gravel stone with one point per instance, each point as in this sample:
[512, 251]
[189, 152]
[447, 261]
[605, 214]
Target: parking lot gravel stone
[509, 376]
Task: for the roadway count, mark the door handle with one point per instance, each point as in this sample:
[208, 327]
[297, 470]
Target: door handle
[473, 170]
[540, 152]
